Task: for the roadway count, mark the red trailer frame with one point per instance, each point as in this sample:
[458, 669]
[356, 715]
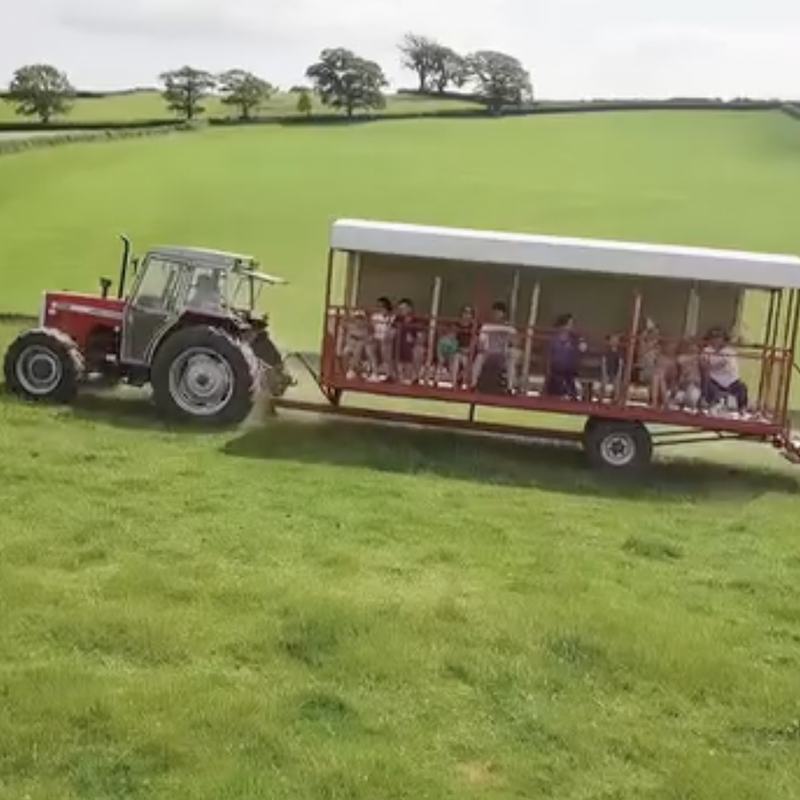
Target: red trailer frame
[627, 418]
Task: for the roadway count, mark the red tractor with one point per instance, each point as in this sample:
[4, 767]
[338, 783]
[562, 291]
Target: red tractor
[188, 327]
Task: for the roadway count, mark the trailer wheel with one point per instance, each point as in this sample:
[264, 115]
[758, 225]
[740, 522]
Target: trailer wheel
[617, 446]
[202, 373]
[44, 365]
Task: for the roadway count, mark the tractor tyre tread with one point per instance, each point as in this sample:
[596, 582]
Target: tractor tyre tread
[237, 353]
[61, 345]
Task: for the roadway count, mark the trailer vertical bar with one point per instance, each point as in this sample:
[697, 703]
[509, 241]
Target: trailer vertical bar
[761, 402]
[512, 306]
[787, 354]
[432, 325]
[630, 355]
[533, 313]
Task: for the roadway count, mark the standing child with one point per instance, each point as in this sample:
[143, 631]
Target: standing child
[409, 345]
[355, 343]
[380, 346]
[446, 353]
[612, 365]
[465, 333]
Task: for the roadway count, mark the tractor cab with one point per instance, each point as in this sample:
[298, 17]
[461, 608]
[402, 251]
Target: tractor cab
[177, 286]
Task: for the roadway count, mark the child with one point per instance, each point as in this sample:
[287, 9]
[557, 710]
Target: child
[564, 358]
[409, 344]
[379, 350]
[665, 375]
[612, 365]
[496, 342]
[648, 351]
[447, 351]
[465, 330]
[722, 382]
[355, 343]
[690, 379]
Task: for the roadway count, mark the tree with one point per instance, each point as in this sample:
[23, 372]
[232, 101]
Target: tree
[416, 55]
[346, 81]
[244, 91]
[500, 79]
[40, 90]
[305, 104]
[185, 89]
[437, 66]
[449, 69]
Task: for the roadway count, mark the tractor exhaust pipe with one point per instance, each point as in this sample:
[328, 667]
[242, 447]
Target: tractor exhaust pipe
[123, 267]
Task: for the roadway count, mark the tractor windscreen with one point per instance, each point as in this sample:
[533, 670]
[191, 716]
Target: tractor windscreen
[245, 289]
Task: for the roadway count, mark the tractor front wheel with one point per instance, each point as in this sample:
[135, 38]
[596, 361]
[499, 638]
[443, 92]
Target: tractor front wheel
[203, 374]
[44, 365]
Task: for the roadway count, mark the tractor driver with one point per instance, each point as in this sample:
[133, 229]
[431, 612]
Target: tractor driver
[207, 295]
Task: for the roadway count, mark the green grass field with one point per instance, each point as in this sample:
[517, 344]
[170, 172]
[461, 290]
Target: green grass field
[302, 609]
[150, 105]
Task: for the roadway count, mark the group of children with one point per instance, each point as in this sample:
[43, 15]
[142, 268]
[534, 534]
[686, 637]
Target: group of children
[391, 343]
[688, 375]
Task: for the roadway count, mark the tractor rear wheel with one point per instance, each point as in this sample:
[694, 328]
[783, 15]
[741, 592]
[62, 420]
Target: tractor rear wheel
[204, 374]
[45, 365]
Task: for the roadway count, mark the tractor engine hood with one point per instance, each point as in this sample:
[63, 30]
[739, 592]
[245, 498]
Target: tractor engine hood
[56, 304]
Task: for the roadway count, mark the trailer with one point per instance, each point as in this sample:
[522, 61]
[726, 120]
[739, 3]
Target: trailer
[610, 290]
[624, 346]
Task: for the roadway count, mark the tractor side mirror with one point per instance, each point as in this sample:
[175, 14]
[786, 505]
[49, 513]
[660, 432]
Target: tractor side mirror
[105, 287]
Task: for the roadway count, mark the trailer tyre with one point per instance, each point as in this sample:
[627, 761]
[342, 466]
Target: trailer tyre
[44, 365]
[203, 374]
[617, 446]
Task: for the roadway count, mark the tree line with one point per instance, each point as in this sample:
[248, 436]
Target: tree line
[340, 79]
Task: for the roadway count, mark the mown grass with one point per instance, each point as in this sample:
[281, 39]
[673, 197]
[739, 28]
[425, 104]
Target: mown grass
[304, 609]
[321, 610]
[150, 105]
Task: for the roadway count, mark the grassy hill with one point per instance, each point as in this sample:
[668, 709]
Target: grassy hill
[314, 610]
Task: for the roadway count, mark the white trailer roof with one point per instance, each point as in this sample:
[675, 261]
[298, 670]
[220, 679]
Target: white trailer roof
[581, 255]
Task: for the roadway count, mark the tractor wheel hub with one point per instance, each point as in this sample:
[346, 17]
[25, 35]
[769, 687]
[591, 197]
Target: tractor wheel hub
[201, 382]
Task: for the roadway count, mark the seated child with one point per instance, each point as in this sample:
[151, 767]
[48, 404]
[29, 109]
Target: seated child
[612, 367]
[379, 351]
[722, 384]
[356, 339]
[690, 378]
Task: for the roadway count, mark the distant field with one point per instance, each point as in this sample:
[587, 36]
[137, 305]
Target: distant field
[150, 105]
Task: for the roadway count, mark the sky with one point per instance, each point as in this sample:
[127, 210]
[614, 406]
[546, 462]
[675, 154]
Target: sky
[573, 48]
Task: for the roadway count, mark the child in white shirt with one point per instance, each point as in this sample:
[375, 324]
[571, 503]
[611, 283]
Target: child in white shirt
[722, 372]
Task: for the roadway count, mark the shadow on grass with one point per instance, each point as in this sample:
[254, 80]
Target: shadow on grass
[129, 412]
[495, 461]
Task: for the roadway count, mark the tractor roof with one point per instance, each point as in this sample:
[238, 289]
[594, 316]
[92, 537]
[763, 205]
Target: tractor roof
[219, 259]
[204, 255]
